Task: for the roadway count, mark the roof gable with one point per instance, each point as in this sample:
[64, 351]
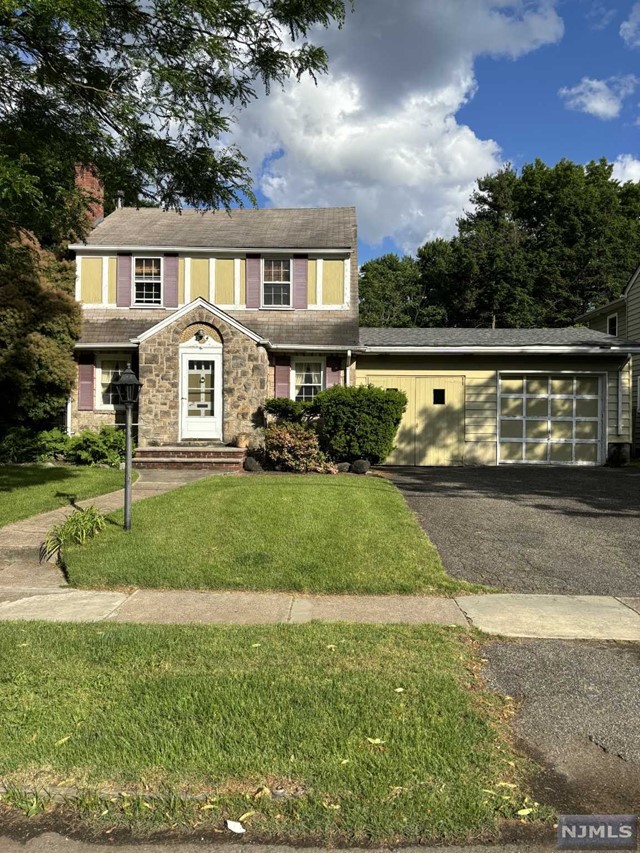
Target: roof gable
[186, 309]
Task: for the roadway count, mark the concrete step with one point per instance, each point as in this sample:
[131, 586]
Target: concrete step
[180, 452]
[220, 463]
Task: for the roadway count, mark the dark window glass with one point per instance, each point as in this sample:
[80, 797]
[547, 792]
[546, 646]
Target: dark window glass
[612, 324]
[438, 396]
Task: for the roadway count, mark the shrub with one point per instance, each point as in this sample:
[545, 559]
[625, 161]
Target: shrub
[359, 422]
[94, 448]
[19, 444]
[294, 447]
[51, 444]
[286, 410]
[80, 526]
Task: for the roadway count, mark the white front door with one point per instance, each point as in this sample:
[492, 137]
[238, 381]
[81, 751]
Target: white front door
[201, 395]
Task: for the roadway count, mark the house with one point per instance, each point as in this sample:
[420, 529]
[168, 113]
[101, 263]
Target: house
[622, 317]
[218, 311]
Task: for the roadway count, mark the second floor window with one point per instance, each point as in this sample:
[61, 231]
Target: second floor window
[612, 324]
[147, 281]
[276, 291]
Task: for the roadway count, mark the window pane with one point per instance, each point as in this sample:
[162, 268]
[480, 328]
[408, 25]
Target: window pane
[536, 452]
[587, 386]
[512, 384]
[562, 385]
[537, 429]
[308, 379]
[537, 408]
[561, 452]
[148, 281]
[511, 406]
[537, 385]
[586, 408]
[561, 430]
[277, 294]
[511, 451]
[586, 452]
[561, 408]
[511, 429]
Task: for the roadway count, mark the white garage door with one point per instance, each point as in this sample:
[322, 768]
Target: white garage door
[550, 419]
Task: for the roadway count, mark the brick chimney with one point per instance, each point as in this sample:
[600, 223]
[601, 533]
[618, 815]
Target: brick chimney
[87, 179]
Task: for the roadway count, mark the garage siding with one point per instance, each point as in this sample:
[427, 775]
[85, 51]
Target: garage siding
[481, 389]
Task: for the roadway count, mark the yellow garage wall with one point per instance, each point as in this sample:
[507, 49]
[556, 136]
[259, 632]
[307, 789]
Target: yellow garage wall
[480, 417]
[224, 281]
[180, 281]
[243, 281]
[312, 298]
[91, 281]
[332, 282]
[112, 279]
[199, 278]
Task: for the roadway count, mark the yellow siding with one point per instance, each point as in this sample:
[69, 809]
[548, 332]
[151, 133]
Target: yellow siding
[199, 278]
[312, 298]
[224, 281]
[180, 281]
[91, 281]
[243, 281]
[111, 290]
[333, 283]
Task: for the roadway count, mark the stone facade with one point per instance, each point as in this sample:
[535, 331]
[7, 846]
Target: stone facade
[245, 367]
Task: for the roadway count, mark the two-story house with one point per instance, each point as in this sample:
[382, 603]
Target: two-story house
[622, 317]
[218, 311]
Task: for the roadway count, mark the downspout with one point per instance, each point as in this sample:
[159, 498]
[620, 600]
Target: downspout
[347, 369]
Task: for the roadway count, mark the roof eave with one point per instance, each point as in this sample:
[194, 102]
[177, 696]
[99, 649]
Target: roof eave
[250, 250]
[506, 350]
[621, 300]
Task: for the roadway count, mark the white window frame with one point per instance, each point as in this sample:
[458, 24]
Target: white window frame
[610, 317]
[99, 405]
[288, 307]
[134, 302]
[321, 360]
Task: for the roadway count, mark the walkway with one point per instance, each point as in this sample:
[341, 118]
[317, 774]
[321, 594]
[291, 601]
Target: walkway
[30, 591]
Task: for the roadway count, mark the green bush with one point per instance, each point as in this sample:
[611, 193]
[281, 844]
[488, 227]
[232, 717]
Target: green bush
[79, 527]
[289, 411]
[97, 448]
[295, 447]
[359, 422]
[19, 444]
[51, 445]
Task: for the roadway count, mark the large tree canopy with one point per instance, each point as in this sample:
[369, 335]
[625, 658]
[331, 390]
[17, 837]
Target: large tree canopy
[537, 248]
[144, 90]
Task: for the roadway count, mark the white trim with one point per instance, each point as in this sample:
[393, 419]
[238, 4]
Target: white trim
[292, 372]
[236, 281]
[326, 308]
[98, 405]
[637, 396]
[212, 280]
[619, 412]
[187, 279]
[609, 317]
[116, 345]
[229, 250]
[197, 303]
[209, 351]
[132, 301]
[319, 282]
[315, 348]
[564, 350]
[105, 280]
[79, 278]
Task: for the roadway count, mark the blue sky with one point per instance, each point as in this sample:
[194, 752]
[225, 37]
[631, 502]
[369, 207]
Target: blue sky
[423, 96]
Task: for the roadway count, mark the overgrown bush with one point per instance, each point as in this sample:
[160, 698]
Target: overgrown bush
[105, 447]
[51, 445]
[79, 527]
[359, 422]
[295, 447]
[289, 411]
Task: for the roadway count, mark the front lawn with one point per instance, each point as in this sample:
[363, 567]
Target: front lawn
[323, 534]
[323, 733]
[27, 490]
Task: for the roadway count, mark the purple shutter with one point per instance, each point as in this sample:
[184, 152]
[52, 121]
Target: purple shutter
[283, 376]
[85, 386]
[334, 373]
[123, 281]
[170, 281]
[300, 266]
[252, 278]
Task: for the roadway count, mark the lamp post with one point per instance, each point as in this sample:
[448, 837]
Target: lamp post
[128, 386]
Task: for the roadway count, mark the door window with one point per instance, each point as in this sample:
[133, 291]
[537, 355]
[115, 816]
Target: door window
[201, 387]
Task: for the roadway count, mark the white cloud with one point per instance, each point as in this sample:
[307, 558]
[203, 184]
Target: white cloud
[380, 131]
[626, 168]
[630, 29]
[600, 16]
[600, 98]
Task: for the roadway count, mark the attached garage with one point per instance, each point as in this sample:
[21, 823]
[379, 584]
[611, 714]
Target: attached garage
[503, 396]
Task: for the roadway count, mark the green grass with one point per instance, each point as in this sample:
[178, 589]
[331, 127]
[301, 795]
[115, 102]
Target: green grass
[341, 534]
[233, 714]
[27, 490]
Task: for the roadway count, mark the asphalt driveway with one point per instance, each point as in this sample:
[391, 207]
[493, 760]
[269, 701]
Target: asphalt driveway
[572, 531]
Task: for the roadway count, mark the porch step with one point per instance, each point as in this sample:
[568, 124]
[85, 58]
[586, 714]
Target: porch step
[216, 457]
[221, 464]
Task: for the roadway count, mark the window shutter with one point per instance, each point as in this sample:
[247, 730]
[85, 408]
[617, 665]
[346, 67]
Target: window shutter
[283, 376]
[86, 373]
[170, 281]
[123, 279]
[252, 278]
[300, 266]
[334, 373]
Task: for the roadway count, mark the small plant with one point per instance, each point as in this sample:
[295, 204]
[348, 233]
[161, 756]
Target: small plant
[105, 447]
[51, 445]
[79, 527]
[294, 447]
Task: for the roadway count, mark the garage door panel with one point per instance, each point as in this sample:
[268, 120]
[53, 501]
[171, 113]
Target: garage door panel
[559, 416]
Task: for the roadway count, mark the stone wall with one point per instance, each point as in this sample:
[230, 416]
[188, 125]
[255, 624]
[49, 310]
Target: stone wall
[245, 377]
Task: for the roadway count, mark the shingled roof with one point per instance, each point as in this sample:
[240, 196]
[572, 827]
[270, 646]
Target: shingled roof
[301, 228]
[574, 336]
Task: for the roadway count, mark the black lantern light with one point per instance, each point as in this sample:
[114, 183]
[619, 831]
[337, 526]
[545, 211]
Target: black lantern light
[128, 386]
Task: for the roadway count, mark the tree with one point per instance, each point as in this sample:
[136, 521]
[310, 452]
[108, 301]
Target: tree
[144, 90]
[389, 291]
[537, 248]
